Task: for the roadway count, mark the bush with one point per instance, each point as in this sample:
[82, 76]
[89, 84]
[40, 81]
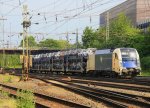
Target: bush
[145, 62]
[25, 99]
[10, 61]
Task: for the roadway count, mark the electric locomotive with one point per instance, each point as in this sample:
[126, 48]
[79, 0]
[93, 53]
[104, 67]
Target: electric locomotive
[116, 62]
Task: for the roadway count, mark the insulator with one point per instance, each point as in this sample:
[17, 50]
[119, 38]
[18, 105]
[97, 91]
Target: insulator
[26, 24]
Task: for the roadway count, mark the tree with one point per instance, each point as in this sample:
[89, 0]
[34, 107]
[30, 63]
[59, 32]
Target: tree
[31, 42]
[121, 32]
[63, 44]
[49, 43]
[54, 44]
[88, 37]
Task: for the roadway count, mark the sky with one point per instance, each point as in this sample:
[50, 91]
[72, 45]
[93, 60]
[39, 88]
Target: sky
[54, 17]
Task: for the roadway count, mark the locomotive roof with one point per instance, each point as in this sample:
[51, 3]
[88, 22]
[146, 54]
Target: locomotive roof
[104, 51]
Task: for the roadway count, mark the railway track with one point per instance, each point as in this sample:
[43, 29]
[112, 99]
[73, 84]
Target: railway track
[135, 87]
[140, 80]
[141, 88]
[41, 99]
[120, 85]
[114, 99]
[137, 80]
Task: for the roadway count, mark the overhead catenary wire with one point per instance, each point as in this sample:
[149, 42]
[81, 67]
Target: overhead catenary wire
[75, 15]
[7, 4]
[60, 16]
[56, 14]
[45, 6]
[15, 7]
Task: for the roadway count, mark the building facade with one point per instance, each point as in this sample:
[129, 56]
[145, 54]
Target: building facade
[138, 11]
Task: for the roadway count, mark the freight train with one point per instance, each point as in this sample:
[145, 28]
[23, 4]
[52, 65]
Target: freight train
[107, 62]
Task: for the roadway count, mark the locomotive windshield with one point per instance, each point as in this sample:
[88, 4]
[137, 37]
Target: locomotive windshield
[128, 54]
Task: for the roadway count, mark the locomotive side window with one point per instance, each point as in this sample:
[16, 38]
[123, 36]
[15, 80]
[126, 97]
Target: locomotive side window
[116, 56]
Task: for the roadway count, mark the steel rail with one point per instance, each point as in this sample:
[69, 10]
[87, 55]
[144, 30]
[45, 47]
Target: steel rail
[120, 86]
[48, 98]
[109, 94]
[135, 80]
[86, 93]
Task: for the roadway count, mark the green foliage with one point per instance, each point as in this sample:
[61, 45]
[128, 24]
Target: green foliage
[4, 93]
[148, 30]
[31, 42]
[121, 26]
[7, 79]
[25, 99]
[54, 44]
[145, 62]
[141, 43]
[145, 73]
[121, 32]
[10, 60]
[10, 79]
[48, 43]
[88, 37]
[63, 44]
[7, 102]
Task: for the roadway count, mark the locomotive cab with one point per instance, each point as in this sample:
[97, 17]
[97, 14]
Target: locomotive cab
[126, 61]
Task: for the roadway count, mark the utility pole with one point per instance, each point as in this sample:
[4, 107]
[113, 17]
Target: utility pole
[67, 39]
[3, 19]
[26, 24]
[77, 39]
[10, 37]
[107, 26]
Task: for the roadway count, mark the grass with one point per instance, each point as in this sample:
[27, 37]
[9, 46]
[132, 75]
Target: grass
[145, 73]
[3, 93]
[10, 61]
[8, 103]
[6, 78]
[25, 99]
